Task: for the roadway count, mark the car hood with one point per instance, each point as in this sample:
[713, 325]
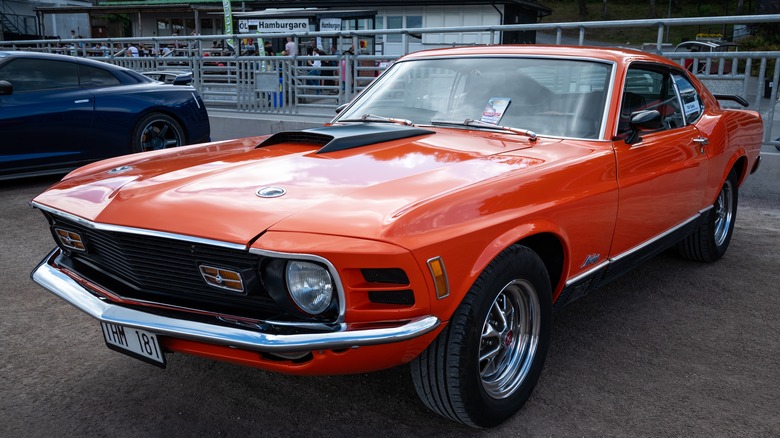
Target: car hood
[233, 191]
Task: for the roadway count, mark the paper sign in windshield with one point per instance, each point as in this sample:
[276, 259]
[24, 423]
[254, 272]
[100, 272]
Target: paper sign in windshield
[691, 107]
[495, 109]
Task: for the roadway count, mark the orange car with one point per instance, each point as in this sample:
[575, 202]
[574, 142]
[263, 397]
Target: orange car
[438, 220]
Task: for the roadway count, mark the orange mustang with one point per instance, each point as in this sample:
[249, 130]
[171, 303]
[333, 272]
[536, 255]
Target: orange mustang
[438, 220]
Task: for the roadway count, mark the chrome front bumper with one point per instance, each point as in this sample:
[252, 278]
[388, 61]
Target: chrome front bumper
[62, 285]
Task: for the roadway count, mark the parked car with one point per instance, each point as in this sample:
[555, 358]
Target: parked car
[58, 112]
[439, 220]
[713, 47]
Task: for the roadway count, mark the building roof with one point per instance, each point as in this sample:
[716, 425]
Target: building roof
[263, 4]
[127, 6]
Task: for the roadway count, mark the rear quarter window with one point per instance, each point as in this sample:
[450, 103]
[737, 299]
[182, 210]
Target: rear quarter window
[93, 77]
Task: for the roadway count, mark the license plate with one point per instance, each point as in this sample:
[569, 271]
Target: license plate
[139, 344]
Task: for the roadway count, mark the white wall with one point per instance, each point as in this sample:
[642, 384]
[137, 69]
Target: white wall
[60, 25]
[54, 25]
[440, 16]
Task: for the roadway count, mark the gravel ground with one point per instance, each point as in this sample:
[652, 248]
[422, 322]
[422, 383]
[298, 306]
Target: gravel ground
[674, 348]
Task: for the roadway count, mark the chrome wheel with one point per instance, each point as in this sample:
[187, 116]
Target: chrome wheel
[510, 335]
[485, 363]
[724, 213]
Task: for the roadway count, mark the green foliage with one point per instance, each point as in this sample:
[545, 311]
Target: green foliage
[567, 11]
[759, 43]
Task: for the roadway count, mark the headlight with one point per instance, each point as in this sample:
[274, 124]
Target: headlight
[310, 286]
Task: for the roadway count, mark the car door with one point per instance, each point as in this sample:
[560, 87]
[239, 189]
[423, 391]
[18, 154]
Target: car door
[45, 120]
[661, 177]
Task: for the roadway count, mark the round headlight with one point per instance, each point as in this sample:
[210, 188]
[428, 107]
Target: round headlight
[310, 286]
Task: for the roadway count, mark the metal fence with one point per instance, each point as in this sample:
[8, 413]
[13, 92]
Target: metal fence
[291, 85]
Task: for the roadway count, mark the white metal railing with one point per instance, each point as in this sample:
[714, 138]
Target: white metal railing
[287, 85]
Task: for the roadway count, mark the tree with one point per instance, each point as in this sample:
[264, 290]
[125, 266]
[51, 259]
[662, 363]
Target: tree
[604, 9]
[653, 10]
[769, 31]
[583, 9]
[740, 7]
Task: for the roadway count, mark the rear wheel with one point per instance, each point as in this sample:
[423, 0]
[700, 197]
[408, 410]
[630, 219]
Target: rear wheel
[484, 365]
[157, 131]
[710, 241]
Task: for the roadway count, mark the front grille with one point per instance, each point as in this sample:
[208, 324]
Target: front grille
[167, 271]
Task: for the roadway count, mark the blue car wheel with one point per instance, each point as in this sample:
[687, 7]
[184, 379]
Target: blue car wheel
[157, 131]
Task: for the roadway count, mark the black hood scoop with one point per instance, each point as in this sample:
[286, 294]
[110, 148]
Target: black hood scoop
[341, 137]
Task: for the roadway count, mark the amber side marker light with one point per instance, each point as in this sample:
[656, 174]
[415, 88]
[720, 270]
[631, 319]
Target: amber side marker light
[70, 239]
[436, 265]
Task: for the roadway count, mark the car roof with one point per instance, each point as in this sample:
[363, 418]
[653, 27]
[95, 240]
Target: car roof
[607, 54]
[55, 57]
[712, 44]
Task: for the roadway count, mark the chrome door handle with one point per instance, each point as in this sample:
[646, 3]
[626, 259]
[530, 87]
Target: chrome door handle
[701, 141]
[82, 101]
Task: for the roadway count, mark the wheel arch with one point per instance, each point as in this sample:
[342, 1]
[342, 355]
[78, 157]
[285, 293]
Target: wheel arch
[544, 238]
[740, 166]
[550, 249]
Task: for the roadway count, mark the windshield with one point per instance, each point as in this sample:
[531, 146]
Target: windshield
[554, 97]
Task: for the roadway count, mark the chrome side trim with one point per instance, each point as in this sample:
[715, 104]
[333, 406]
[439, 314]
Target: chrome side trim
[139, 231]
[71, 291]
[631, 251]
[587, 273]
[660, 236]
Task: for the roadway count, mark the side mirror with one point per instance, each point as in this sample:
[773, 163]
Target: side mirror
[647, 120]
[341, 107]
[6, 88]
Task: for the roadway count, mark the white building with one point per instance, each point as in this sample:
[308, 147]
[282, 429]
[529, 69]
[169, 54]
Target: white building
[19, 19]
[205, 17]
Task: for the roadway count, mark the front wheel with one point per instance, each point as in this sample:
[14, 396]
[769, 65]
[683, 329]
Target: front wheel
[157, 131]
[709, 242]
[484, 365]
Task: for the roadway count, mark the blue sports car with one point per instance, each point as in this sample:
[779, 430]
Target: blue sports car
[58, 112]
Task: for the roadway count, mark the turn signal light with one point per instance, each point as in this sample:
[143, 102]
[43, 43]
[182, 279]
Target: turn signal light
[436, 265]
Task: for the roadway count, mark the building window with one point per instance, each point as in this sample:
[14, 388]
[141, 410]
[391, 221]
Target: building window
[395, 22]
[414, 22]
[163, 28]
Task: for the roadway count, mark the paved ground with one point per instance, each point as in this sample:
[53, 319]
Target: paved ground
[672, 349]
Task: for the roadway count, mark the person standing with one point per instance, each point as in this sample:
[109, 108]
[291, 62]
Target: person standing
[132, 51]
[291, 47]
[316, 65]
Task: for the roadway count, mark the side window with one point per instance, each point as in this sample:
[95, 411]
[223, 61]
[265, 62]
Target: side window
[92, 77]
[40, 74]
[650, 89]
[693, 107]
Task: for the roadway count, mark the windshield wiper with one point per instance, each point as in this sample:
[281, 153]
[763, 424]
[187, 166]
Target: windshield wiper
[366, 118]
[470, 122]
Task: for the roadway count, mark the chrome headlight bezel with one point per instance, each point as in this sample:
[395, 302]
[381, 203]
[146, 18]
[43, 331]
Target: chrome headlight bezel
[272, 271]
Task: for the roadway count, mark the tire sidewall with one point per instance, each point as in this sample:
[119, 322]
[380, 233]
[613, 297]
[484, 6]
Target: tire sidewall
[719, 250]
[483, 409]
